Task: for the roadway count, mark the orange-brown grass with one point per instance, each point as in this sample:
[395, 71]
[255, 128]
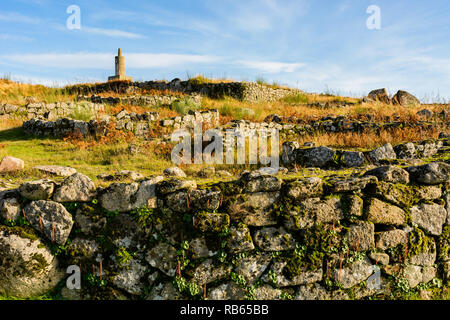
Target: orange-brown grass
[233, 108]
[368, 140]
[112, 136]
[10, 123]
[19, 93]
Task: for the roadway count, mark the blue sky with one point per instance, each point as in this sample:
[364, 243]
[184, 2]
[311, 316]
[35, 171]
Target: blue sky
[309, 44]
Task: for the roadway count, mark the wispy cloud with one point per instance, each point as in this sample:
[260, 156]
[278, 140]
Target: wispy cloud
[112, 33]
[104, 61]
[19, 18]
[14, 37]
[271, 66]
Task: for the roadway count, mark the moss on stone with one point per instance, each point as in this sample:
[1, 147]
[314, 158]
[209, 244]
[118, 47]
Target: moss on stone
[418, 242]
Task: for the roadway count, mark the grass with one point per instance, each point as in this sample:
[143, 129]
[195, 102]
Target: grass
[19, 93]
[110, 156]
[369, 140]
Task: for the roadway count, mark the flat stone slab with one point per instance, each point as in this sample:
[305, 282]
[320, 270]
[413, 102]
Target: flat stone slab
[57, 170]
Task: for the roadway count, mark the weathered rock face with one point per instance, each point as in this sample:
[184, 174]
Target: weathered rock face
[254, 209]
[382, 213]
[430, 217]
[10, 164]
[391, 239]
[163, 257]
[385, 152]
[380, 95]
[51, 218]
[37, 190]
[56, 170]
[9, 209]
[272, 239]
[240, 239]
[302, 189]
[27, 267]
[244, 239]
[431, 174]
[75, 188]
[390, 174]
[355, 273]
[405, 99]
[361, 236]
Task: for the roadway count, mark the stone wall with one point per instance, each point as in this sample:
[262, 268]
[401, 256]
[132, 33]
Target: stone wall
[144, 100]
[328, 158]
[49, 111]
[138, 124]
[259, 237]
[247, 91]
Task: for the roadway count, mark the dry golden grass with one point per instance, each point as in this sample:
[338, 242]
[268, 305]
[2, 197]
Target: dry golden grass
[19, 93]
[236, 109]
[369, 140]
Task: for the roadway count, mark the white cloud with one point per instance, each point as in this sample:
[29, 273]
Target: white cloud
[17, 17]
[14, 37]
[271, 66]
[112, 33]
[105, 61]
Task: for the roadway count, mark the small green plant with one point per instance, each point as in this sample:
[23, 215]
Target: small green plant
[184, 286]
[82, 112]
[123, 257]
[95, 281]
[238, 279]
[143, 216]
[272, 276]
[182, 106]
[299, 98]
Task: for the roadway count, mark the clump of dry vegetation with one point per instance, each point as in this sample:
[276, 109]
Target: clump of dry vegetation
[21, 93]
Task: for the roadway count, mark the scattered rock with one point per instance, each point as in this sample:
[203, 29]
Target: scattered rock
[252, 267]
[9, 209]
[379, 258]
[208, 272]
[380, 95]
[11, 164]
[56, 170]
[174, 172]
[405, 99]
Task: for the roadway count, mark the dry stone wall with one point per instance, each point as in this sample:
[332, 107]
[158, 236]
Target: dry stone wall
[49, 111]
[246, 91]
[258, 237]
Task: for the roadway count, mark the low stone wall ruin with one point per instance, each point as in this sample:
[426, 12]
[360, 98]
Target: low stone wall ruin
[246, 91]
[260, 237]
[49, 111]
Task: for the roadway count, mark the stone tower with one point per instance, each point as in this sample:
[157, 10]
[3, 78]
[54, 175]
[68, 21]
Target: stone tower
[120, 68]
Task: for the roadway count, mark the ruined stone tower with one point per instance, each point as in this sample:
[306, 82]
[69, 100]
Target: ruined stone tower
[120, 68]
